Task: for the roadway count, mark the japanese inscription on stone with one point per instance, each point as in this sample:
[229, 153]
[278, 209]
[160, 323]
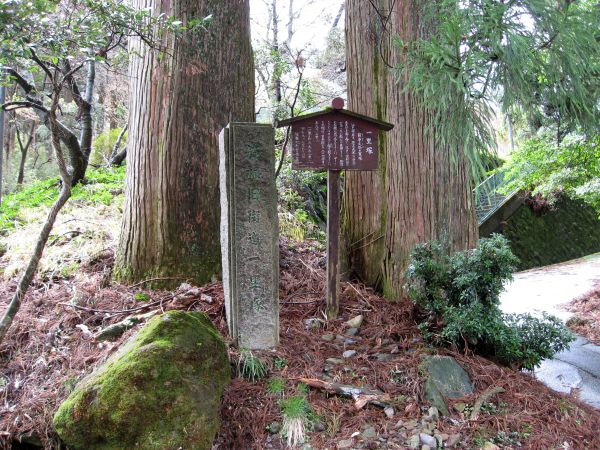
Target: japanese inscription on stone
[249, 234]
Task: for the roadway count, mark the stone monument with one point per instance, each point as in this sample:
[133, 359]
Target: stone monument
[249, 234]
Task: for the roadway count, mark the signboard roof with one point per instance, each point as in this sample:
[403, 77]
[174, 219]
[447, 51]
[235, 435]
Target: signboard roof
[385, 126]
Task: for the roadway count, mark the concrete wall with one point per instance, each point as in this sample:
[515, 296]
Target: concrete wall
[571, 229]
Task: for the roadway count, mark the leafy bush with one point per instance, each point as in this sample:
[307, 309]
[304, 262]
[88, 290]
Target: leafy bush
[302, 203]
[547, 169]
[102, 146]
[459, 295]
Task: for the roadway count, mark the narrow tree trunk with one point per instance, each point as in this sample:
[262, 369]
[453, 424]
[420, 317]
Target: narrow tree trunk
[420, 191]
[34, 260]
[511, 137]
[178, 106]
[118, 155]
[79, 163]
[24, 149]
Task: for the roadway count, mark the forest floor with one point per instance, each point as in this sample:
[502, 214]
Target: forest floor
[586, 315]
[51, 346]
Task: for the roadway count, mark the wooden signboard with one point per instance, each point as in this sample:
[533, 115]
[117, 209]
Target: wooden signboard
[335, 139]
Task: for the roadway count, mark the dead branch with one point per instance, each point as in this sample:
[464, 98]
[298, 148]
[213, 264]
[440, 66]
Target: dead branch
[361, 396]
[116, 312]
[489, 393]
[117, 329]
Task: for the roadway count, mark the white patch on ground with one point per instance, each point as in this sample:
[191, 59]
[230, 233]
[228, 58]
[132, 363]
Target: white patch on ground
[82, 231]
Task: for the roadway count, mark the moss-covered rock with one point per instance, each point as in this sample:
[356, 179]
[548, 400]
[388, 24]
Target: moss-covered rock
[161, 390]
[445, 378]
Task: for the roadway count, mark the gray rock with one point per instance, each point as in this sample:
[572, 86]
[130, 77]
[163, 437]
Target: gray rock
[428, 440]
[433, 413]
[274, 427]
[453, 440]
[351, 332]
[346, 443]
[334, 361]
[349, 353]
[389, 412]
[445, 379]
[313, 322]
[490, 446]
[369, 432]
[384, 357]
[318, 426]
[328, 337]
[460, 406]
[414, 442]
[410, 424]
[344, 340]
[355, 322]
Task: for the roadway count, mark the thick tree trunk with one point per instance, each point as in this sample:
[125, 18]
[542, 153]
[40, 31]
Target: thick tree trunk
[420, 191]
[2, 145]
[178, 106]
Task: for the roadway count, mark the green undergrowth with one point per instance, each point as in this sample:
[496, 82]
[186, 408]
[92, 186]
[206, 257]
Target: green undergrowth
[458, 297]
[100, 186]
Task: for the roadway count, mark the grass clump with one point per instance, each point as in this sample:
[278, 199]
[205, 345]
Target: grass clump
[141, 297]
[276, 386]
[296, 412]
[459, 297]
[251, 367]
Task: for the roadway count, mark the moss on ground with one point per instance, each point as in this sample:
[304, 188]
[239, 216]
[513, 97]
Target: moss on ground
[161, 390]
[100, 186]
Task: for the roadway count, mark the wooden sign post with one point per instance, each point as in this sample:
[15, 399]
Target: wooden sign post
[334, 140]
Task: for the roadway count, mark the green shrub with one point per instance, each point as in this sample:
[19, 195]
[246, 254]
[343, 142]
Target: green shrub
[102, 146]
[459, 296]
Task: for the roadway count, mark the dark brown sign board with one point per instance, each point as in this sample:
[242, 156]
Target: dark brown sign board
[334, 140]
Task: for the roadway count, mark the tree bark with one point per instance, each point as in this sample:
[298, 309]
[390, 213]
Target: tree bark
[178, 106]
[2, 117]
[420, 191]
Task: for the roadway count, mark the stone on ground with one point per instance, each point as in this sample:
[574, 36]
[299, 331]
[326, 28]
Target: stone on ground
[355, 322]
[161, 390]
[445, 378]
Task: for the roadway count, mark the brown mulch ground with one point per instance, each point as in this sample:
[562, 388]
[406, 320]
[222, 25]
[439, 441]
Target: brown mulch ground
[586, 321]
[50, 347]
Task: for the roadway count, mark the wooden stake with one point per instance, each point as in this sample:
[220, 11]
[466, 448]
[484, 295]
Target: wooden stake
[333, 240]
